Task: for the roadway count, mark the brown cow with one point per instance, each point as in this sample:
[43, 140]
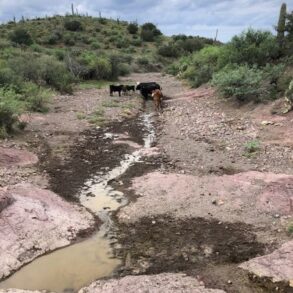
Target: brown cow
[158, 98]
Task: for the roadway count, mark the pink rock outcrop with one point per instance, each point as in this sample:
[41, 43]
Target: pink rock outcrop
[36, 222]
[16, 157]
[250, 197]
[278, 266]
[166, 282]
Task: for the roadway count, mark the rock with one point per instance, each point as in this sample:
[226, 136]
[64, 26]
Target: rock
[220, 202]
[36, 222]
[108, 135]
[15, 157]
[267, 122]
[277, 266]
[166, 282]
[240, 197]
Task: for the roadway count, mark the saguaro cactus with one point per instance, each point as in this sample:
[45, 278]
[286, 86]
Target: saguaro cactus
[282, 25]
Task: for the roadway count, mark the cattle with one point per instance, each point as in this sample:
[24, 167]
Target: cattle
[146, 88]
[115, 88]
[157, 97]
[128, 88]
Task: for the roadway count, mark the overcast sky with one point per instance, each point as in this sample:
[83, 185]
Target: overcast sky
[194, 17]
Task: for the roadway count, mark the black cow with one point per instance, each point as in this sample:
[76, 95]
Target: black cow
[146, 88]
[128, 88]
[116, 88]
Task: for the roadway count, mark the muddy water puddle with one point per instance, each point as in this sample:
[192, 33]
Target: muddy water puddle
[69, 269]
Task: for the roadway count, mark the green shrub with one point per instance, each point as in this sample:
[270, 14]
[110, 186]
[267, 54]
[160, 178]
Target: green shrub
[26, 66]
[151, 27]
[98, 29]
[130, 50]
[54, 38]
[114, 65]
[136, 42]
[102, 68]
[147, 36]
[290, 229]
[142, 61]
[285, 78]
[121, 43]
[36, 48]
[102, 20]
[270, 84]
[251, 147]
[60, 54]
[95, 45]
[10, 109]
[96, 67]
[73, 25]
[242, 83]
[251, 47]
[199, 67]
[115, 32]
[123, 69]
[125, 58]
[35, 97]
[190, 44]
[21, 36]
[84, 39]
[55, 74]
[69, 40]
[8, 77]
[132, 28]
[179, 66]
[4, 44]
[149, 32]
[170, 50]
[203, 75]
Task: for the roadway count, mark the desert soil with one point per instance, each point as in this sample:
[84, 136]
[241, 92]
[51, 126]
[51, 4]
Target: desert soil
[209, 205]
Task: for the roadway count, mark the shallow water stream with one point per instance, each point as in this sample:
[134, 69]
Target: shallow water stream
[69, 269]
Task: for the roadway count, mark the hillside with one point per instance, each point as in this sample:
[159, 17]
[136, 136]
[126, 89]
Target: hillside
[79, 35]
[140, 47]
[41, 55]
